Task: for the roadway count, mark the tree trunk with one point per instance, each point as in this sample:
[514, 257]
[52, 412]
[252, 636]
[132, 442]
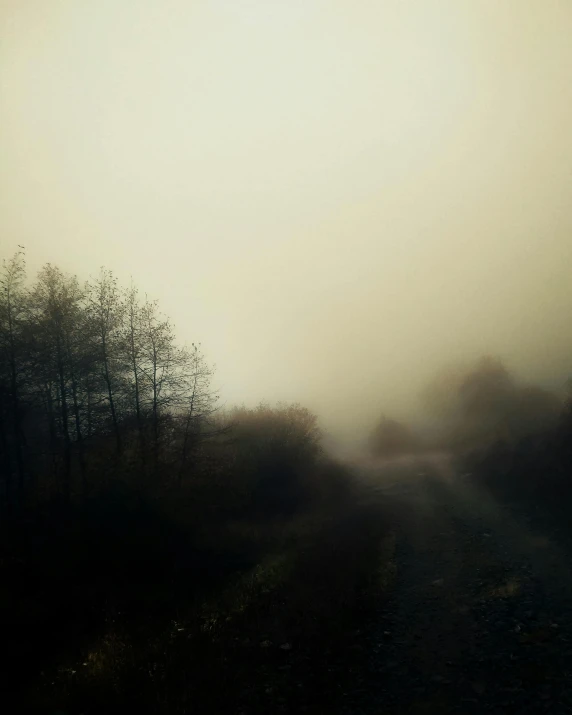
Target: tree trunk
[135, 374]
[15, 402]
[6, 466]
[78, 432]
[187, 430]
[184, 450]
[52, 429]
[110, 395]
[155, 415]
[89, 410]
[65, 425]
[139, 421]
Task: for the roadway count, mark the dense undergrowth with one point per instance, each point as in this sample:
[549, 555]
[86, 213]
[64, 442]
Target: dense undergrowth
[242, 587]
[533, 474]
[244, 615]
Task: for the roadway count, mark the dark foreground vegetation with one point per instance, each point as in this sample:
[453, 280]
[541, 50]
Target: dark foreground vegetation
[533, 475]
[516, 441]
[158, 554]
[171, 605]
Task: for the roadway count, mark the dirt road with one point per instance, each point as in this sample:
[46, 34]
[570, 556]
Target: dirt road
[479, 617]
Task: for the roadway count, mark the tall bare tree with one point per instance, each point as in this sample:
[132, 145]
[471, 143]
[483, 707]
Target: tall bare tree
[198, 403]
[159, 360]
[79, 363]
[12, 317]
[56, 308]
[132, 351]
[106, 312]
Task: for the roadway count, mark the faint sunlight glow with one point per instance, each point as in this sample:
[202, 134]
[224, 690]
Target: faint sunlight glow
[333, 197]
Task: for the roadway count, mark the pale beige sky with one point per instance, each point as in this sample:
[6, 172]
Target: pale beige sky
[334, 197]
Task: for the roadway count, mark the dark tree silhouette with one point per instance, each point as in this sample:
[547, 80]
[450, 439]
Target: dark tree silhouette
[81, 363]
[391, 439]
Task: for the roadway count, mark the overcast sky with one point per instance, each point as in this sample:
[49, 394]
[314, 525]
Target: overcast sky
[334, 197]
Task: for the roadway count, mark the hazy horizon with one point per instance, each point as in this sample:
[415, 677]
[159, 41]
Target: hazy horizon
[335, 199]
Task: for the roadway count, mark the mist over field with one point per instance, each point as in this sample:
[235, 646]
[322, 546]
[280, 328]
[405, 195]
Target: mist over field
[286, 356]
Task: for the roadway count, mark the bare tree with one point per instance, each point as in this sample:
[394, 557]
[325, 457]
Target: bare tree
[106, 312]
[84, 361]
[56, 306]
[159, 364]
[12, 311]
[199, 403]
[132, 351]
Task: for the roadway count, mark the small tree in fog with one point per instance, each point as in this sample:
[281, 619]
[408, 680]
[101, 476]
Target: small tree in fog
[198, 404]
[391, 439]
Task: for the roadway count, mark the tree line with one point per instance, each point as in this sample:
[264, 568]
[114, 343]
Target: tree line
[92, 379]
[473, 407]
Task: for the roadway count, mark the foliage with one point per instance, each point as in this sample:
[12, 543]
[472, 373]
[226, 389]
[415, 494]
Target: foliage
[271, 449]
[483, 404]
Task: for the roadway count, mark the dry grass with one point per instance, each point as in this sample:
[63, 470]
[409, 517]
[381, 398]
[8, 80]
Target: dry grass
[275, 637]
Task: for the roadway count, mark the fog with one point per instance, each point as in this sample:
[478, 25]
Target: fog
[335, 199]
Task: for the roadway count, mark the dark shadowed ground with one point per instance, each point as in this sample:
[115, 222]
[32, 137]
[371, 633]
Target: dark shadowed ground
[420, 594]
[478, 618]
